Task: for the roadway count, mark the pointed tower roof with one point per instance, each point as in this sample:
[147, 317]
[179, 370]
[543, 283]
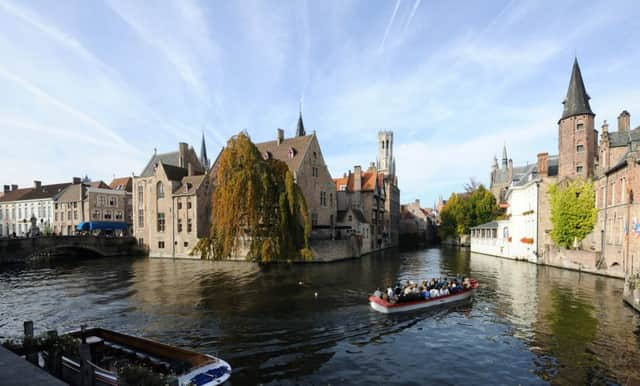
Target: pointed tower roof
[300, 129]
[203, 153]
[577, 100]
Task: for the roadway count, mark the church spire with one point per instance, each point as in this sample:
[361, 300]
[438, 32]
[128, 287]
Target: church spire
[577, 100]
[203, 153]
[505, 160]
[300, 129]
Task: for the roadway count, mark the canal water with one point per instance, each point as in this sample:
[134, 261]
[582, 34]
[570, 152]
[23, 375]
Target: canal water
[526, 325]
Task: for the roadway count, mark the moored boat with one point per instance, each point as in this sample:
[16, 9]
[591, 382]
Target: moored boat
[385, 307]
[110, 350]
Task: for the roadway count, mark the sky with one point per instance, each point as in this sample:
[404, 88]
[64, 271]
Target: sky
[93, 87]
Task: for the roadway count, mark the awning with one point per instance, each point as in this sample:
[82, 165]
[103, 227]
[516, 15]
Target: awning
[102, 225]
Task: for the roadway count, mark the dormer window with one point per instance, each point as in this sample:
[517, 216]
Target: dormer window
[292, 152]
[266, 155]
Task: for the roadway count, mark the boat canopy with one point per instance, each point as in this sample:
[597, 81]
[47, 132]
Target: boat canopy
[102, 225]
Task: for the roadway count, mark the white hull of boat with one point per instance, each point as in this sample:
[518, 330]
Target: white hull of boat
[420, 304]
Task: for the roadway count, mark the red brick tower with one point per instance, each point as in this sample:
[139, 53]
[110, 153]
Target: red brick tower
[578, 140]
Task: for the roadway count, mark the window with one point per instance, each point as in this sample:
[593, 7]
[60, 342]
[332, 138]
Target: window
[314, 171]
[119, 215]
[580, 126]
[314, 219]
[160, 222]
[140, 197]
[579, 169]
[189, 225]
[69, 215]
[188, 204]
[56, 216]
[179, 204]
[179, 225]
[95, 215]
[101, 201]
[108, 215]
[55, 206]
[323, 199]
[161, 244]
[20, 213]
[350, 218]
[343, 188]
[75, 204]
[75, 214]
[160, 190]
[141, 218]
[113, 201]
[186, 244]
[580, 148]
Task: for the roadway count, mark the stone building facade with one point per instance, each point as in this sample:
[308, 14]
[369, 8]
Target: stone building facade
[364, 192]
[386, 164]
[172, 203]
[303, 156]
[96, 201]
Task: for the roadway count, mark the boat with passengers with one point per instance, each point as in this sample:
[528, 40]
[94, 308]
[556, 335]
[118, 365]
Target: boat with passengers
[413, 296]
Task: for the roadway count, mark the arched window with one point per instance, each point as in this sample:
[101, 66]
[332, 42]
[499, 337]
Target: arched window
[160, 190]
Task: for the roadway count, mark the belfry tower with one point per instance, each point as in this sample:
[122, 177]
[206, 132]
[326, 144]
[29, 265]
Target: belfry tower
[386, 162]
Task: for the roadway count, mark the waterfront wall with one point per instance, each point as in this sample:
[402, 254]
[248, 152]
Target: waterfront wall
[20, 250]
[579, 260]
[332, 250]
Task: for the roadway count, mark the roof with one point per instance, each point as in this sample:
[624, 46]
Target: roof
[99, 184]
[204, 160]
[357, 213]
[46, 191]
[174, 173]
[577, 100]
[281, 151]
[122, 183]
[189, 185]
[165, 158]
[367, 181]
[489, 225]
[15, 195]
[622, 138]
[71, 193]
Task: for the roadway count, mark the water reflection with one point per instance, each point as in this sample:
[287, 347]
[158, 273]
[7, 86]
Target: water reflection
[527, 324]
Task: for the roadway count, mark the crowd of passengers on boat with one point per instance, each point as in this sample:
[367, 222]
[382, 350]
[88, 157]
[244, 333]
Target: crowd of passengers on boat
[408, 291]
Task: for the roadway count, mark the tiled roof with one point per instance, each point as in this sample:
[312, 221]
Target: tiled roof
[165, 158]
[15, 195]
[618, 138]
[189, 185]
[367, 181]
[122, 183]
[342, 181]
[281, 151]
[45, 191]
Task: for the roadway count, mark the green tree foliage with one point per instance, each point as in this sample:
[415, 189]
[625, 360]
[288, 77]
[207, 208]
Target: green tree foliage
[573, 211]
[256, 204]
[463, 211]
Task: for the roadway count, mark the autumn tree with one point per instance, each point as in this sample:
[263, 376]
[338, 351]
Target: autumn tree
[466, 210]
[573, 212]
[255, 204]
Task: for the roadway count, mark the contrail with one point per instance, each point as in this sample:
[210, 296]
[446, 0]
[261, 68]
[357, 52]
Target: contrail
[413, 13]
[386, 32]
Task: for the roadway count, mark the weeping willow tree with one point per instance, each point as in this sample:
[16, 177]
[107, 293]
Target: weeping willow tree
[256, 207]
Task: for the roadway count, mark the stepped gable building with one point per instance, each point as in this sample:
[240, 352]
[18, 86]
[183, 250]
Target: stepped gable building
[303, 156]
[172, 203]
[386, 164]
[361, 206]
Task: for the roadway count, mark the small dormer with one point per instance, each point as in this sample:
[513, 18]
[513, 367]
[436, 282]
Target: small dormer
[292, 152]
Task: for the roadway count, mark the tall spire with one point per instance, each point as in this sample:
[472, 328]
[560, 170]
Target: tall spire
[577, 100]
[203, 153]
[300, 129]
[505, 160]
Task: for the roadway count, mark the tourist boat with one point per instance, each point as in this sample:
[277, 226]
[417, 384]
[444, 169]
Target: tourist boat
[390, 308]
[185, 367]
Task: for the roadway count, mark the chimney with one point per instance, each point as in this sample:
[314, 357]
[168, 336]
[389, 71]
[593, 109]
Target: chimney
[189, 169]
[7, 188]
[37, 184]
[357, 178]
[76, 180]
[543, 164]
[280, 136]
[14, 187]
[624, 121]
[418, 203]
[372, 167]
[183, 148]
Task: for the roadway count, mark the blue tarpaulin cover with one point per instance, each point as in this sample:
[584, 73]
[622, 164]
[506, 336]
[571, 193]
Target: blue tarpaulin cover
[102, 225]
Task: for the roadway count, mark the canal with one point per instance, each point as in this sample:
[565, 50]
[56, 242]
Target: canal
[526, 325]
